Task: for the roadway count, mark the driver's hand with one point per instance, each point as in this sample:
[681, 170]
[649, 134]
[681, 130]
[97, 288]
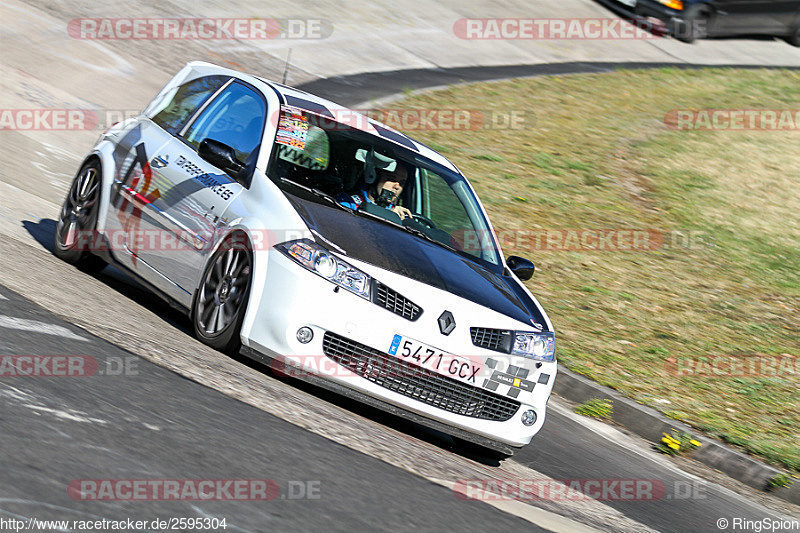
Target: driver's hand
[402, 211]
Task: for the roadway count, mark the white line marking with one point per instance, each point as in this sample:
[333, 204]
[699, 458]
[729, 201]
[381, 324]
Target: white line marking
[39, 327]
[3, 297]
[75, 416]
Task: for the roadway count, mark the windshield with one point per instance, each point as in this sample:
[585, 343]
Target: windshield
[376, 177]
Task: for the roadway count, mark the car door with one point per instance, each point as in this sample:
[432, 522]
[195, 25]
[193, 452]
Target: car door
[194, 193]
[138, 183]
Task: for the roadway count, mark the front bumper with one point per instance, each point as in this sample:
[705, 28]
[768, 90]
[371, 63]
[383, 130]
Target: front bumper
[294, 297]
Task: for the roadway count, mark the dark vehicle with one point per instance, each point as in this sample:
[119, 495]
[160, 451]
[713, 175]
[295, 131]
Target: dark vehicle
[689, 20]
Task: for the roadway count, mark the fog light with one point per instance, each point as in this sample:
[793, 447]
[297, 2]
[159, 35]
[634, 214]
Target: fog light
[305, 335]
[529, 417]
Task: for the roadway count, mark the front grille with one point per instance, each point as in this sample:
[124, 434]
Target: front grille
[498, 340]
[418, 383]
[396, 302]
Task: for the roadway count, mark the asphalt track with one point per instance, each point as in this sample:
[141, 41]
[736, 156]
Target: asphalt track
[141, 421]
[383, 474]
[362, 89]
[136, 420]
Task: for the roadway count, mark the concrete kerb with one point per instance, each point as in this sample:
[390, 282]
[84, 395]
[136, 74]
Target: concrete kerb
[651, 424]
[381, 88]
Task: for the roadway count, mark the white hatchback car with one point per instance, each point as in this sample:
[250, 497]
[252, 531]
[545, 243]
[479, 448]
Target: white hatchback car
[294, 230]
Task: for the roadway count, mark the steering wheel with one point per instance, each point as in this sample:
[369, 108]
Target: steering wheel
[422, 219]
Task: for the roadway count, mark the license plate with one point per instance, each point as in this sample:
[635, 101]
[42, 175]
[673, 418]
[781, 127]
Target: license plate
[420, 354]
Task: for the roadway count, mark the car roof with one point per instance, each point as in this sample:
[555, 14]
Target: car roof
[325, 108]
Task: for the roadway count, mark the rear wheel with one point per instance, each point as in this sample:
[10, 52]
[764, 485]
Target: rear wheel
[77, 221]
[221, 300]
[694, 25]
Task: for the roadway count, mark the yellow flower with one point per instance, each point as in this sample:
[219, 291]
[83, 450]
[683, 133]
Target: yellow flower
[674, 445]
[695, 442]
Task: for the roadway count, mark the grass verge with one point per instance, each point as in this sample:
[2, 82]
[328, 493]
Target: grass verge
[718, 283]
[596, 408]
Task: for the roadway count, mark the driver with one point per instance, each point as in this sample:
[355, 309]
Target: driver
[386, 189]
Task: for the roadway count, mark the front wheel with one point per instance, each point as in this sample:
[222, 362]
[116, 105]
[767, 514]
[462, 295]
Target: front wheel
[77, 220]
[221, 299]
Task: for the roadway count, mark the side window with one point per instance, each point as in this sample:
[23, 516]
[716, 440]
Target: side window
[236, 118]
[183, 101]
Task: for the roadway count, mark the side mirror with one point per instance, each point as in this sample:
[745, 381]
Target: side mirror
[520, 266]
[223, 157]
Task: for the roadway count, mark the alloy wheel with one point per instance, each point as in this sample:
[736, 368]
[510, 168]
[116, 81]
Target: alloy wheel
[223, 290]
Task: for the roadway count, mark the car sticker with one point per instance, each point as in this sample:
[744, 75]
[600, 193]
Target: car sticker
[137, 184]
[512, 380]
[292, 128]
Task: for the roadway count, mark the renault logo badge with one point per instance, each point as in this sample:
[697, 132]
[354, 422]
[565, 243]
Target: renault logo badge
[447, 323]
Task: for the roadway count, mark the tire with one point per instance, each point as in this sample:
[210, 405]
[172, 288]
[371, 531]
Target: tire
[694, 26]
[221, 299]
[78, 218]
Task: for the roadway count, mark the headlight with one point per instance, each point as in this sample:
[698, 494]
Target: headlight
[320, 261]
[535, 345]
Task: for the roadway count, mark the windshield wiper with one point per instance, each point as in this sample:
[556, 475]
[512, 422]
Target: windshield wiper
[420, 233]
[318, 193]
[409, 229]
